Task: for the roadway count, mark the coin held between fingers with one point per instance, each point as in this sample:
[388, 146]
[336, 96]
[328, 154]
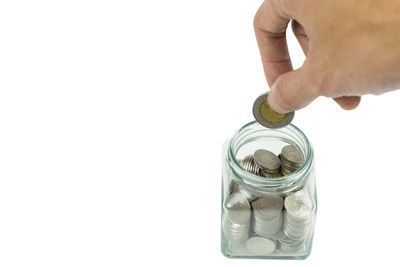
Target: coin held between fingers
[268, 117]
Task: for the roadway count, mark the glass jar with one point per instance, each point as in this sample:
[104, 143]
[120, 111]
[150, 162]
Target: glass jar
[267, 217]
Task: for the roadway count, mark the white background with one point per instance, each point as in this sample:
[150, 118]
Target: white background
[112, 120]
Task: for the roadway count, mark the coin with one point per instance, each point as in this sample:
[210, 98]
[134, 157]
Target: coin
[238, 209]
[260, 246]
[267, 215]
[267, 227]
[283, 239]
[298, 205]
[287, 245]
[236, 217]
[267, 161]
[268, 117]
[268, 207]
[297, 248]
[235, 232]
[270, 174]
[295, 236]
[297, 218]
[299, 232]
[292, 154]
[291, 159]
[249, 165]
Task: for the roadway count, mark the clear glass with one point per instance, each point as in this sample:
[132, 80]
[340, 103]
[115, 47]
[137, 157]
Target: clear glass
[283, 236]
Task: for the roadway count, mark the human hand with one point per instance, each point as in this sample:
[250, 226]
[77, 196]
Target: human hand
[352, 48]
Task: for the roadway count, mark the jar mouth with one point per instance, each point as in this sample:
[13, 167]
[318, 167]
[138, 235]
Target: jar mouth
[291, 135]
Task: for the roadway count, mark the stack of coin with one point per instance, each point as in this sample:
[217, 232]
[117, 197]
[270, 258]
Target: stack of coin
[288, 245]
[291, 159]
[268, 163]
[236, 218]
[297, 216]
[249, 165]
[267, 215]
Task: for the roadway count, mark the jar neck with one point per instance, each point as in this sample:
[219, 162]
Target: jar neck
[290, 134]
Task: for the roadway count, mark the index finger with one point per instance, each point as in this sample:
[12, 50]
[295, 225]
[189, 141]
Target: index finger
[270, 24]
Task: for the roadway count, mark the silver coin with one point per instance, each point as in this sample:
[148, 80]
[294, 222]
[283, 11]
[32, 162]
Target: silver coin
[296, 222]
[297, 216]
[291, 159]
[299, 229]
[260, 217]
[283, 239]
[236, 233]
[298, 248]
[267, 228]
[294, 236]
[267, 215]
[298, 205]
[260, 246]
[271, 174]
[292, 154]
[259, 221]
[267, 117]
[238, 209]
[249, 165]
[236, 218]
[268, 206]
[267, 160]
[296, 232]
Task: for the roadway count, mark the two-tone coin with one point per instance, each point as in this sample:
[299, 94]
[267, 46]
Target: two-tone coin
[268, 117]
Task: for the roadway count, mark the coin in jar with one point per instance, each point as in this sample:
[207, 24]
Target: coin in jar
[260, 245]
[298, 206]
[267, 161]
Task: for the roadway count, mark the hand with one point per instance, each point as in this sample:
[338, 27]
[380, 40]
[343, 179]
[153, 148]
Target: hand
[352, 48]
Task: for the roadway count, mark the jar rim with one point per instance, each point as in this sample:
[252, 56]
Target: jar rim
[293, 177]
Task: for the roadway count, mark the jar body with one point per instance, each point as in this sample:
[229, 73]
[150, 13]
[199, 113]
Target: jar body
[271, 218]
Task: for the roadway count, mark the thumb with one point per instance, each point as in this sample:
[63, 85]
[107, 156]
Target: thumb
[293, 90]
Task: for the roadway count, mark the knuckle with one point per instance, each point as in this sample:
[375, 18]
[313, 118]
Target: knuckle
[323, 87]
[320, 80]
[329, 84]
[257, 20]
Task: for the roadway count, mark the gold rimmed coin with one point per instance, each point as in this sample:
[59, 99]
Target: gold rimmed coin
[268, 117]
